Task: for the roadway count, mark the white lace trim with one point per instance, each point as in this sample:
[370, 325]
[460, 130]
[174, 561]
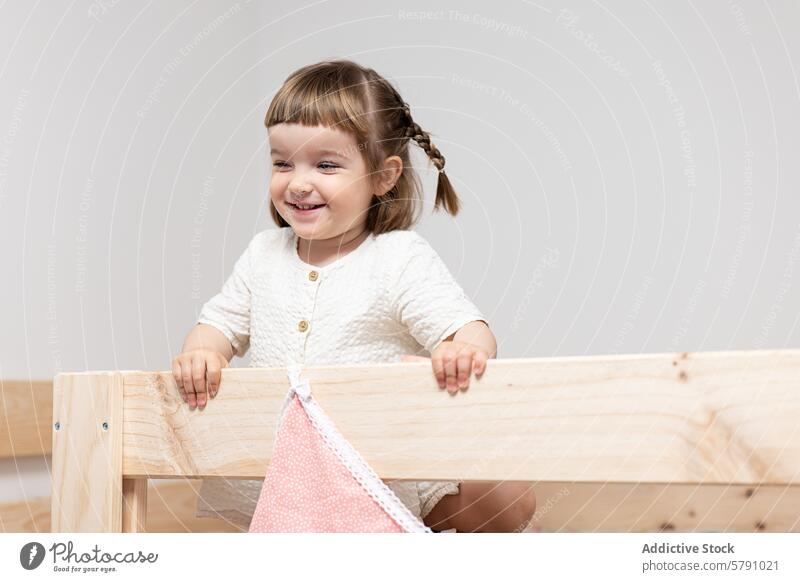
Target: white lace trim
[349, 457]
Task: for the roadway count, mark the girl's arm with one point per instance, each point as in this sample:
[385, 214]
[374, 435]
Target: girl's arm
[465, 352]
[198, 368]
[208, 337]
[478, 334]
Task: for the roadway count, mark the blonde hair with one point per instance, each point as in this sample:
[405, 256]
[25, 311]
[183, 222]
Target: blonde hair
[346, 96]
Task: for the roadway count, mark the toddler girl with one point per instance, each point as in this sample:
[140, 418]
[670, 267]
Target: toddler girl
[344, 280]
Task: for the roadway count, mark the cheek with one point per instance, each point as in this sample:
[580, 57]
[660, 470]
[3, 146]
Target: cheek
[344, 191]
[277, 185]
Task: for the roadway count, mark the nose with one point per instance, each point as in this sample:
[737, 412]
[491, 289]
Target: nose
[299, 188]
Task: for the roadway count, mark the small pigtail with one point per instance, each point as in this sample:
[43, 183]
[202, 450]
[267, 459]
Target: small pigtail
[445, 193]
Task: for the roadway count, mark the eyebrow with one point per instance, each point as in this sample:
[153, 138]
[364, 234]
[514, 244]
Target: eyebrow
[324, 152]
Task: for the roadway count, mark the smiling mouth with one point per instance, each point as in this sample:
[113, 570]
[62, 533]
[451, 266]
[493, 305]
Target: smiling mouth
[306, 206]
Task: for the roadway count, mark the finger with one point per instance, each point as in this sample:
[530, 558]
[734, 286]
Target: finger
[214, 376]
[450, 372]
[178, 375]
[464, 366]
[188, 386]
[479, 364]
[438, 369]
[199, 379]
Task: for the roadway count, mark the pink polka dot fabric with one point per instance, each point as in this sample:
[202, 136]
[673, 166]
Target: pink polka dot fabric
[307, 488]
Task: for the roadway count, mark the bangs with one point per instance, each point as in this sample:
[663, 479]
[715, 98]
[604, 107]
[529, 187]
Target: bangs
[314, 96]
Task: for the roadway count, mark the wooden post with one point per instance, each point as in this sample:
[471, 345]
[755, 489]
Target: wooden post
[87, 453]
[134, 505]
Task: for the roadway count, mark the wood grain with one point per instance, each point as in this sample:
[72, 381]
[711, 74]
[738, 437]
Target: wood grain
[87, 453]
[170, 509]
[712, 417]
[624, 507]
[26, 410]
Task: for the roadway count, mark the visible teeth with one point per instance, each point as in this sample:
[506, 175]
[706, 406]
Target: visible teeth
[306, 206]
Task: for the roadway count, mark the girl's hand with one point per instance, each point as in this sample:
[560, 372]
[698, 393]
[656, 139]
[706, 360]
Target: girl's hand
[197, 374]
[454, 362]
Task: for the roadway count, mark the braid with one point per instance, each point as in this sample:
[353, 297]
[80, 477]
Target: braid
[445, 194]
[423, 138]
[414, 131]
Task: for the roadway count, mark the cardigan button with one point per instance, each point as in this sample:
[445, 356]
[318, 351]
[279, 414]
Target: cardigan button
[303, 325]
[313, 275]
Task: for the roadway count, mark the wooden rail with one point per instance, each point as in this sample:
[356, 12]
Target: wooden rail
[26, 408]
[706, 419]
[171, 508]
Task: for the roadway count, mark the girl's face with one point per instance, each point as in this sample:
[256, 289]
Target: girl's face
[323, 167]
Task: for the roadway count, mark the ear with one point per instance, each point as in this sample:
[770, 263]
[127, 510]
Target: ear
[390, 174]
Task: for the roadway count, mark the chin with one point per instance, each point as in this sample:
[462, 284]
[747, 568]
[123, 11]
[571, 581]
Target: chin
[307, 231]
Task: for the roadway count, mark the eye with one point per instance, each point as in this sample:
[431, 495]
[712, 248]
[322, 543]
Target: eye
[327, 166]
[279, 164]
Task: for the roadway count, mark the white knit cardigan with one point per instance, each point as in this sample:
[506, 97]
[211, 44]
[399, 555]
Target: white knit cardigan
[391, 296]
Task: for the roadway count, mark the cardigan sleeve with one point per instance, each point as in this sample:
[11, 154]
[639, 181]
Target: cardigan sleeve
[229, 310]
[427, 299]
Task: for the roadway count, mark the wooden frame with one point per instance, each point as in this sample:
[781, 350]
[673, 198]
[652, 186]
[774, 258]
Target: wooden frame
[665, 420]
[26, 425]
